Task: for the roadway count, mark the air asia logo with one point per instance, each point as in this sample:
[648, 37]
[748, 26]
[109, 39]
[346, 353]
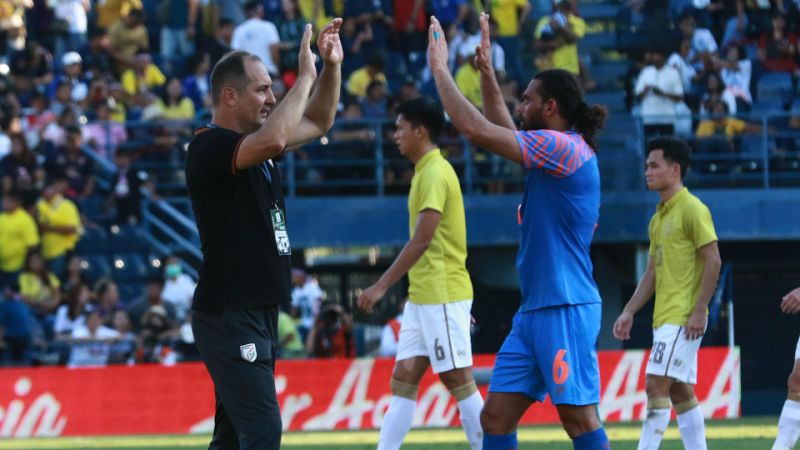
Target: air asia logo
[248, 352]
[41, 417]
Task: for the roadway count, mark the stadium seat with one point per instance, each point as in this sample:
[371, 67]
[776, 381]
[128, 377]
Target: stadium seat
[94, 239]
[96, 266]
[129, 266]
[774, 86]
[127, 237]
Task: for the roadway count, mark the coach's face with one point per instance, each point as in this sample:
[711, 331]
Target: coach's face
[256, 99]
[532, 110]
[659, 173]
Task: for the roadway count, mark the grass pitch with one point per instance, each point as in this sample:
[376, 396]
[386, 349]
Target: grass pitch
[742, 434]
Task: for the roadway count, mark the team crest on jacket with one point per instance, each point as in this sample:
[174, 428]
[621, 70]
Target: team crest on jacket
[248, 352]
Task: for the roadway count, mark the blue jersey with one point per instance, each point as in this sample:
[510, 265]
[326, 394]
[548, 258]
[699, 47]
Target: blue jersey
[558, 216]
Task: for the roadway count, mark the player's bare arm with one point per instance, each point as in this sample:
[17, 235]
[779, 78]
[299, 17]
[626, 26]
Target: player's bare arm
[494, 107]
[791, 302]
[696, 325]
[321, 110]
[426, 225]
[272, 138]
[466, 118]
[643, 293]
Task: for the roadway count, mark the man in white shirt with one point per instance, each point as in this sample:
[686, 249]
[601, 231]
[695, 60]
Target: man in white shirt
[704, 46]
[306, 300]
[259, 37]
[660, 90]
[178, 287]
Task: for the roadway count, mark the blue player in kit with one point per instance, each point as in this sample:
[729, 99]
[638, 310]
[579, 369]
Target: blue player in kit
[551, 348]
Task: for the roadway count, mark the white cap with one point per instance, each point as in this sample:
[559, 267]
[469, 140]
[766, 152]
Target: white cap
[70, 58]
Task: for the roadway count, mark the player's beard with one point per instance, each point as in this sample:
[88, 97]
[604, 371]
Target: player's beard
[534, 121]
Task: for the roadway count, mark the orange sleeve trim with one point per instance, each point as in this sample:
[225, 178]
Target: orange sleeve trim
[235, 153]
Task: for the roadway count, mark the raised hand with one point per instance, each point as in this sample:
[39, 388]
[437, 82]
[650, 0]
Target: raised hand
[305, 61]
[329, 44]
[483, 53]
[437, 45]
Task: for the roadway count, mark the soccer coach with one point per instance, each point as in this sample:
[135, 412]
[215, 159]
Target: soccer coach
[236, 193]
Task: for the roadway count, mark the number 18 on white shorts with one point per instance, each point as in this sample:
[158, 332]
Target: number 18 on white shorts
[437, 332]
[673, 355]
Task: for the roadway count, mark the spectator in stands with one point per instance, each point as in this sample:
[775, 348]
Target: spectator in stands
[408, 90]
[71, 17]
[18, 235]
[72, 162]
[62, 101]
[736, 23]
[172, 104]
[468, 79]
[704, 47]
[228, 11]
[510, 16]
[716, 91]
[59, 223]
[178, 19]
[307, 298]
[97, 56]
[391, 333]
[74, 274]
[107, 298]
[31, 70]
[70, 314]
[110, 11]
[127, 37]
[220, 42]
[681, 62]
[721, 126]
[375, 104]
[410, 31]
[126, 196]
[72, 74]
[659, 88]
[121, 323]
[289, 344]
[151, 297]
[142, 79]
[178, 287]
[450, 13]
[36, 117]
[736, 71]
[558, 36]
[39, 288]
[156, 332]
[197, 85]
[93, 329]
[15, 331]
[360, 79]
[368, 28]
[103, 135]
[20, 171]
[778, 49]
[118, 96]
[290, 31]
[259, 37]
[332, 334]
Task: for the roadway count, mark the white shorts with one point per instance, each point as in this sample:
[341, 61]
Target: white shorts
[673, 355]
[437, 332]
[797, 350]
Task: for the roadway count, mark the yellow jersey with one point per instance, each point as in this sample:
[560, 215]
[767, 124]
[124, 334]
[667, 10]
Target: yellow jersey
[677, 231]
[566, 56]
[506, 14]
[468, 80]
[18, 233]
[31, 286]
[360, 80]
[440, 275]
[61, 212]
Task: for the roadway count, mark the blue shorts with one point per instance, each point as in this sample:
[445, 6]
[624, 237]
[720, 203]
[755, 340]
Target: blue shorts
[552, 351]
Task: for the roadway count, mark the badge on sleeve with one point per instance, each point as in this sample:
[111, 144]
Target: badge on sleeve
[279, 227]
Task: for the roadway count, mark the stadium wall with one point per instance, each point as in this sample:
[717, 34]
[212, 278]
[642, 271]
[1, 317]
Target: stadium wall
[314, 395]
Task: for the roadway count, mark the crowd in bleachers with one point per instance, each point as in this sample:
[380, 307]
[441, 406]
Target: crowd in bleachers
[725, 62]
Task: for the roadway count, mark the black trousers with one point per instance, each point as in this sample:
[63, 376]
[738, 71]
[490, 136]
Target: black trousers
[238, 348]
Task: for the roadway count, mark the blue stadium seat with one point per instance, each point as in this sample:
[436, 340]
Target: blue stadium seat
[129, 266]
[127, 237]
[96, 266]
[94, 239]
[774, 86]
[129, 292]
